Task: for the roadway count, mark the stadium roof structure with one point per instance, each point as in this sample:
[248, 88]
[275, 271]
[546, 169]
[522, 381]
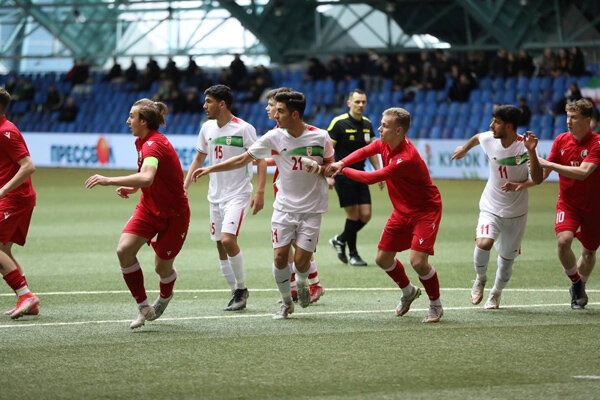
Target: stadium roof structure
[32, 31]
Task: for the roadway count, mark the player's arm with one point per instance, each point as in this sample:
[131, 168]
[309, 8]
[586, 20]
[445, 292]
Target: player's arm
[143, 178]
[232, 163]
[26, 169]
[198, 162]
[361, 154]
[535, 169]
[258, 201]
[462, 151]
[579, 173]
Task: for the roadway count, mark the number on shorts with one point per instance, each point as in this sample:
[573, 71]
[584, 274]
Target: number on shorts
[484, 229]
[274, 236]
[560, 217]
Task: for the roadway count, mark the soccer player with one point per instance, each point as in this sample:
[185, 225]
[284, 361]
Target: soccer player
[163, 210]
[417, 213]
[314, 283]
[17, 200]
[502, 213]
[349, 132]
[575, 155]
[302, 191]
[222, 137]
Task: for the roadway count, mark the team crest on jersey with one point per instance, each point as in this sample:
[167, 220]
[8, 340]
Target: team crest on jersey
[7, 134]
[228, 141]
[518, 159]
[309, 151]
[584, 153]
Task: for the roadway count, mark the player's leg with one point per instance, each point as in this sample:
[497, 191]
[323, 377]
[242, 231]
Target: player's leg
[316, 289]
[589, 236]
[26, 301]
[307, 236]
[357, 222]
[509, 248]
[348, 201]
[216, 223]
[283, 229]
[487, 230]
[234, 212]
[422, 246]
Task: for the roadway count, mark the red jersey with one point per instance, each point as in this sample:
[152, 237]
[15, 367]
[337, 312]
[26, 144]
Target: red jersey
[165, 196]
[566, 150]
[405, 173]
[12, 150]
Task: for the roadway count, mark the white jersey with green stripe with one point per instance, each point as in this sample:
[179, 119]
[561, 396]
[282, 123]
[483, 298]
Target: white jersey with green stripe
[506, 164]
[220, 144]
[298, 191]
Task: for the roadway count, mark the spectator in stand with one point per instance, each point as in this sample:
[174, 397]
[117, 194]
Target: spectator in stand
[524, 65]
[525, 112]
[316, 70]
[192, 67]
[131, 73]
[54, 99]
[171, 72]
[144, 81]
[335, 69]
[440, 60]
[562, 63]
[153, 70]
[461, 88]
[192, 102]
[198, 81]
[115, 73]
[434, 79]
[499, 66]
[79, 72]
[177, 101]
[68, 112]
[23, 89]
[225, 77]
[547, 63]
[571, 95]
[577, 62]
[239, 73]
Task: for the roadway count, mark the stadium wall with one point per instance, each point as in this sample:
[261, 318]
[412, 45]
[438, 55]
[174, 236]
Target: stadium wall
[117, 151]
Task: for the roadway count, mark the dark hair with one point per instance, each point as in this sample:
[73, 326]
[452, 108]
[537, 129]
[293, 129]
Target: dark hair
[584, 106]
[153, 112]
[271, 93]
[294, 101]
[508, 113]
[5, 99]
[221, 93]
[358, 91]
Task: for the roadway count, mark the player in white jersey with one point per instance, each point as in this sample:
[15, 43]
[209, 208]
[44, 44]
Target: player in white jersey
[502, 213]
[302, 195]
[222, 137]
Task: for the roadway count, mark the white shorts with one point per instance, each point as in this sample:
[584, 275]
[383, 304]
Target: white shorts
[227, 217]
[506, 232]
[302, 227]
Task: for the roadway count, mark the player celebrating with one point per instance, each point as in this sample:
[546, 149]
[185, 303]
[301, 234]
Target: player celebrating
[417, 213]
[222, 137]
[163, 210]
[17, 200]
[503, 214]
[302, 196]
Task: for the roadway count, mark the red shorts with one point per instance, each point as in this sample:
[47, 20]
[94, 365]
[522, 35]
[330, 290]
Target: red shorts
[170, 231]
[586, 226]
[14, 223]
[417, 232]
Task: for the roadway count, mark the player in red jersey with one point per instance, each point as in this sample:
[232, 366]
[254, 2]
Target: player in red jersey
[417, 213]
[17, 200]
[163, 210]
[575, 155]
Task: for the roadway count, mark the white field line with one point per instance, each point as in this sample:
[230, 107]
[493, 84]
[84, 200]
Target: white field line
[101, 292]
[300, 315]
[590, 377]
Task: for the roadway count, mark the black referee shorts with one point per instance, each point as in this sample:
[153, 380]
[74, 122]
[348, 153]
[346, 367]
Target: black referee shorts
[351, 193]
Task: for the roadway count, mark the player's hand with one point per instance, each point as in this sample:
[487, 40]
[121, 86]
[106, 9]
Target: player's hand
[124, 191]
[330, 182]
[258, 202]
[310, 165]
[96, 180]
[513, 186]
[200, 172]
[381, 185]
[334, 169]
[459, 153]
[530, 141]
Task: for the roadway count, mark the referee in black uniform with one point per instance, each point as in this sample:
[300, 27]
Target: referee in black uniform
[349, 132]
